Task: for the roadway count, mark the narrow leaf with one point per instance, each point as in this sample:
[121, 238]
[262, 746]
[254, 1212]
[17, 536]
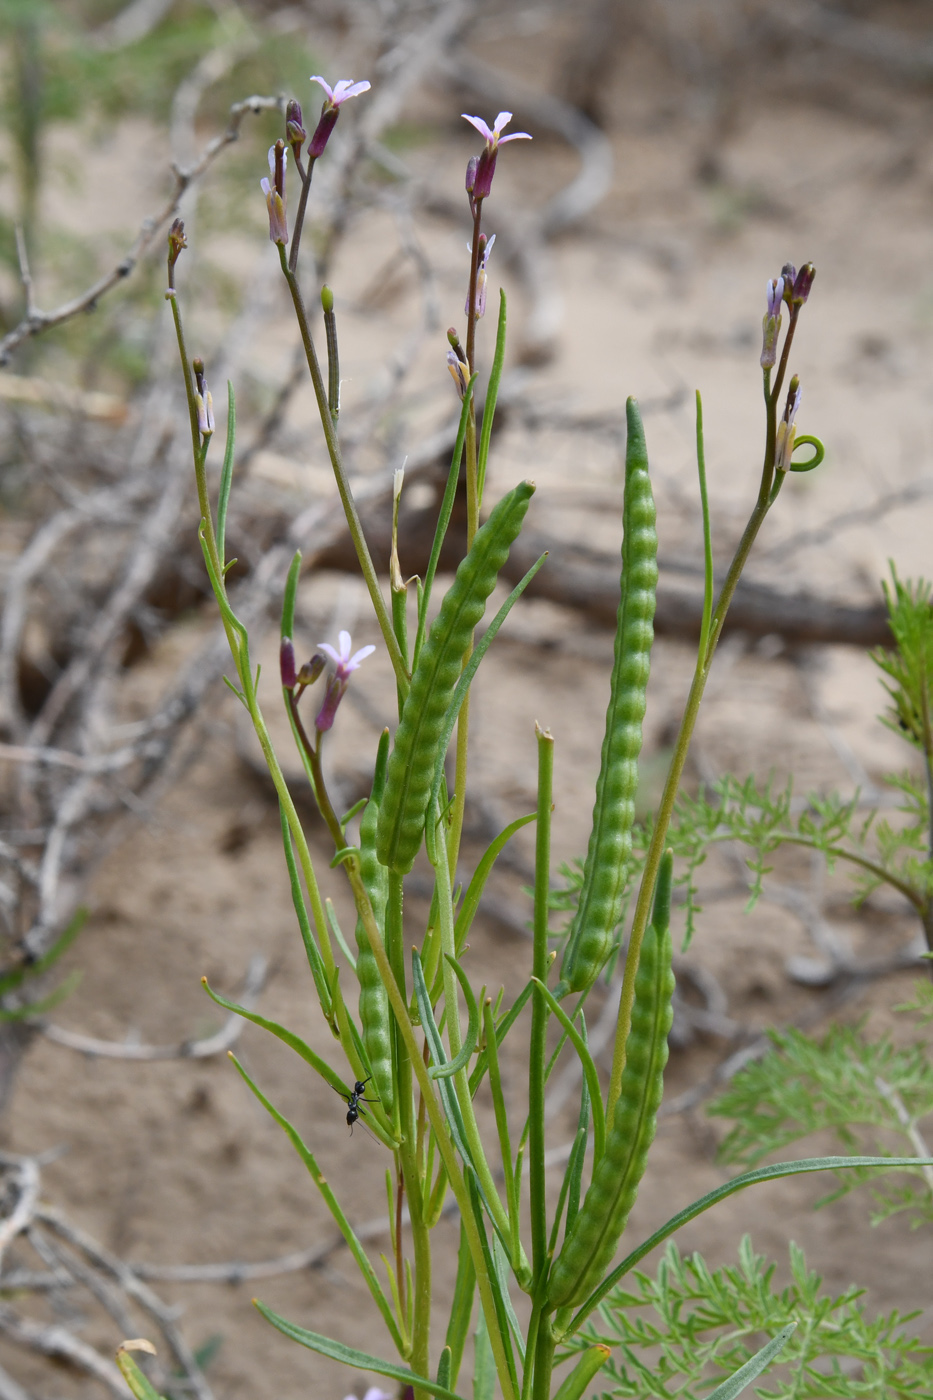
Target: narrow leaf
[352, 1356]
[737, 1382]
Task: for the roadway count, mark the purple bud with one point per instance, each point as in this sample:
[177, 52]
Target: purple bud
[176, 241]
[287, 664]
[311, 670]
[485, 169]
[336, 689]
[803, 282]
[294, 127]
[788, 274]
[322, 131]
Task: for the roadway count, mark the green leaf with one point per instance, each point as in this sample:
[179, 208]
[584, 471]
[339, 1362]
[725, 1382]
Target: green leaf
[138, 1383]
[739, 1379]
[471, 1039]
[351, 1356]
[590, 1364]
[481, 874]
[360, 1256]
[291, 592]
[589, 1069]
[778, 1169]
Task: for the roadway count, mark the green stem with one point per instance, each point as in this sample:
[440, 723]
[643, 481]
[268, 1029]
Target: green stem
[537, 1067]
[461, 1078]
[343, 486]
[438, 1123]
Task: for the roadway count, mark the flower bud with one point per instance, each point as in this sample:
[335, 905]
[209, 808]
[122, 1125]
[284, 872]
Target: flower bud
[788, 275]
[287, 663]
[311, 670]
[176, 241]
[327, 299]
[472, 163]
[802, 283]
[275, 193]
[295, 133]
[771, 323]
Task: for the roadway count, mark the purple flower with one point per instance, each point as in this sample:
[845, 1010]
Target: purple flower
[486, 165]
[336, 96]
[485, 249]
[275, 193]
[338, 682]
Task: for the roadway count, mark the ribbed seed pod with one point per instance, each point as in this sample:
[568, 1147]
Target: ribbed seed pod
[375, 1016]
[411, 765]
[597, 1229]
[610, 845]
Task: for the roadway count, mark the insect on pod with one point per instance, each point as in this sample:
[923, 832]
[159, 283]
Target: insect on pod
[610, 846]
[411, 765]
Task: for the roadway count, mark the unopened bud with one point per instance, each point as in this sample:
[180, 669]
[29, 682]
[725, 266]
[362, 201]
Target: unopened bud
[327, 299]
[803, 282]
[176, 241]
[771, 323]
[311, 670]
[788, 275]
[472, 163]
[453, 341]
[294, 127]
[287, 663]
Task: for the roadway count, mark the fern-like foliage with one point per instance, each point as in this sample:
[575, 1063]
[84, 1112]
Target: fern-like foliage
[679, 1333]
[864, 1091]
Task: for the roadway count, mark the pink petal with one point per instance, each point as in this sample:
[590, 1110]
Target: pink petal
[359, 656]
[326, 86]
[515, 136]
[502, 120]
[480, 125]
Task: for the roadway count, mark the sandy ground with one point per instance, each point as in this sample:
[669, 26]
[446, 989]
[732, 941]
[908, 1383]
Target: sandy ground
[662, 290]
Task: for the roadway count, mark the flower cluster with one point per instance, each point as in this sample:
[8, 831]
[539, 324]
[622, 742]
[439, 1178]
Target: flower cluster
[297, 680]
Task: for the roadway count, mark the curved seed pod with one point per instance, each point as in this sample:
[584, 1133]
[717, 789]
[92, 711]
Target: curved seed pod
[375, 1015]
[610, 846]
[591, 1243]
[411, 766]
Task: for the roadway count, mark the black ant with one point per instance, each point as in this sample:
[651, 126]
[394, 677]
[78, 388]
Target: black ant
[355, 1102]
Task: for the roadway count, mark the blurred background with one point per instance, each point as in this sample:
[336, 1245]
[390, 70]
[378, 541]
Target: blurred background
[683, 152]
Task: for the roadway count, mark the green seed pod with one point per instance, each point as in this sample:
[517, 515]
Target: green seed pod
[610, 846]
[375, 1016]
[411, 766]
[588, 1249]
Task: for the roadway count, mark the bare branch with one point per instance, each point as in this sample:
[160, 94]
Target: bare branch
[215, 1044]
[35, 322]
